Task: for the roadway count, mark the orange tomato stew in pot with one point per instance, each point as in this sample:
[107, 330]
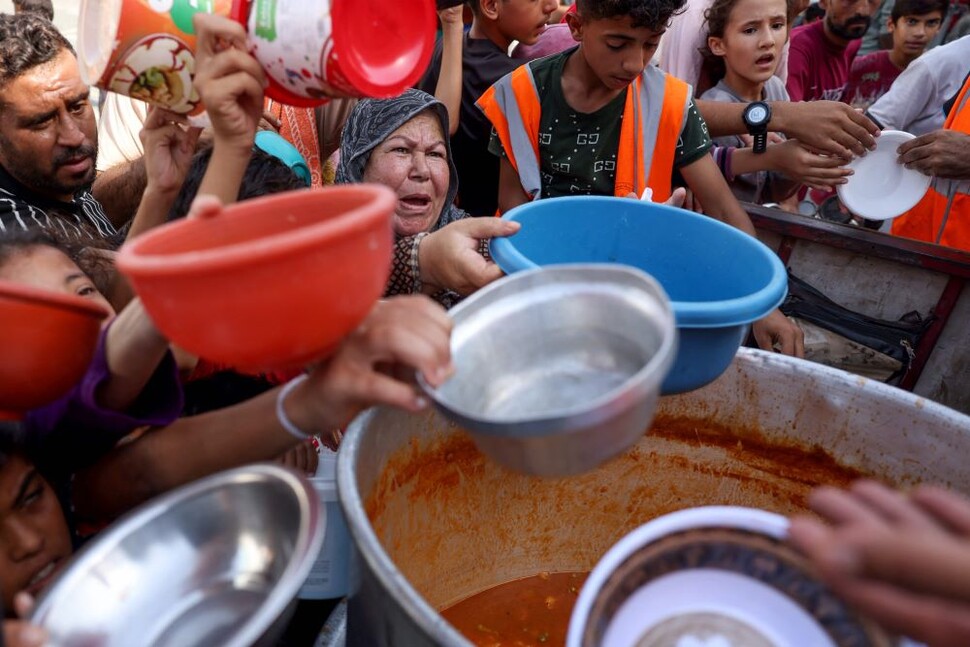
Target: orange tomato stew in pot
[531, 612]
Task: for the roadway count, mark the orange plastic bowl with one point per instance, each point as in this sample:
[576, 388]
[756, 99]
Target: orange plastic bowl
[274, 282]
[48, 341]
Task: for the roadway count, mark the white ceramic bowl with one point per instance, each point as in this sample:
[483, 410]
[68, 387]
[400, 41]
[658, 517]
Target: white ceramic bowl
[717, 575]
[881, 187]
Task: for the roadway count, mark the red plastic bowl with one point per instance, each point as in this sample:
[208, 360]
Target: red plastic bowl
[275, 282]
[48, 341]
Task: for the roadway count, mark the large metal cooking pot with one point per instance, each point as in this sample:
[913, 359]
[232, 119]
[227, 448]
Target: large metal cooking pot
[434, 521]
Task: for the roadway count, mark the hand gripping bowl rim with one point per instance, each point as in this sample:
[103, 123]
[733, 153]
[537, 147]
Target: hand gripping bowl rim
[847, 196]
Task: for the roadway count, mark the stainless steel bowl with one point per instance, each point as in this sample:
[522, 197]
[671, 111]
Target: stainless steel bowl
[559, 369]
[217, 562]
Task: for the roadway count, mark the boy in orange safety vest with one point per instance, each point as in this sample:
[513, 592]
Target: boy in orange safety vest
[599, 119]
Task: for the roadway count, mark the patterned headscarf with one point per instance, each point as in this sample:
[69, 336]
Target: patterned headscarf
[374, 120]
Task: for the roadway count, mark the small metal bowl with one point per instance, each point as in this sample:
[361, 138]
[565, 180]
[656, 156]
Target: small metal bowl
[217, 562]
[559, 369]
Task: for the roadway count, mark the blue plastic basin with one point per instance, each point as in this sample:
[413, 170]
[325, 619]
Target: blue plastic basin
[718, 278]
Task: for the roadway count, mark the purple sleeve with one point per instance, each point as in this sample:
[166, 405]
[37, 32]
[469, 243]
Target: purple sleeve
[79, 429]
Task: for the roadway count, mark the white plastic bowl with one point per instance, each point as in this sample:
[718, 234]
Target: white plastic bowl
[881, 187]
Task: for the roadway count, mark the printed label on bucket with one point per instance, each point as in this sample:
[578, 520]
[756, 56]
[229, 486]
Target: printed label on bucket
[182, 11]
[266, 20]
[301, 63]
[151, 56]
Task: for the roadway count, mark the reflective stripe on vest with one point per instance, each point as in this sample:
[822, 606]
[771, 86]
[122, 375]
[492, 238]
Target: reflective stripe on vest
[943, 215]
[512, 105]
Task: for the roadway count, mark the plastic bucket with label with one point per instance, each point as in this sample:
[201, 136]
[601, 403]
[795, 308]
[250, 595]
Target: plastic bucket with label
[144, 49]
[312, 51]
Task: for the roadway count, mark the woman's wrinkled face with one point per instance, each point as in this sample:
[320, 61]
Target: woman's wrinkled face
[413, 162]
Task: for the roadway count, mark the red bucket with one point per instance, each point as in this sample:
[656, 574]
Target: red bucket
[314, 50]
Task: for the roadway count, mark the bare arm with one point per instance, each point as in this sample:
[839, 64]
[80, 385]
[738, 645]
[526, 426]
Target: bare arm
[119, 190]
[798, 164]
[134, 348]
[448, 89]
[169, 146]
[510, 191]
[230, 82]
[831, 127]
[409, 332]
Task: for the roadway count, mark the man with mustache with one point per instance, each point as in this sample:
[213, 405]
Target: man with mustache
[48, 134]
[821, 53]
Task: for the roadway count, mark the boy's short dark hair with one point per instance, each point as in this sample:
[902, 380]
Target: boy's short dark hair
[44, 8]
[918, 8]
[652, 14]
[26, 41]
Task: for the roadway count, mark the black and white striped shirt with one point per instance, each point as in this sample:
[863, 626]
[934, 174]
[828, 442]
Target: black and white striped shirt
[22, 209]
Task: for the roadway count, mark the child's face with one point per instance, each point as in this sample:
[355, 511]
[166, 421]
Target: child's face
[523, 20]
[51, 269]
[754, 36]
[911, 34]
[34, 539]
[614, 49]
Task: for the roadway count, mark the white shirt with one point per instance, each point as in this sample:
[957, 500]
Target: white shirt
[121, 122]
[914, 103]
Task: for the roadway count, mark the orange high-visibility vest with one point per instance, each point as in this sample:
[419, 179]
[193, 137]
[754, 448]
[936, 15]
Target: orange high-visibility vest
[653, 119]
[943, 215]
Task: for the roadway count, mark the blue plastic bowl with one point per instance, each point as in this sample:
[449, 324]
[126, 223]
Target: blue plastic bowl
[718, 278]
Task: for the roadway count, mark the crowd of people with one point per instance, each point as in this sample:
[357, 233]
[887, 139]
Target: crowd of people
[517, 106]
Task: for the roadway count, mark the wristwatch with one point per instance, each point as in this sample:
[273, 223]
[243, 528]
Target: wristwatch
[757, 114]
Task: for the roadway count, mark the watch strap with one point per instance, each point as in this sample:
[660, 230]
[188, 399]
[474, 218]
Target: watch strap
[760, 142]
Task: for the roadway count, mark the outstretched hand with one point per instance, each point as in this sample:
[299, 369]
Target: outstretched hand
[831, 127]
[169, 145]
[400, 336]
[903, 560]
[229, 80]
[808, 167]
[941, 153]
[450, 259]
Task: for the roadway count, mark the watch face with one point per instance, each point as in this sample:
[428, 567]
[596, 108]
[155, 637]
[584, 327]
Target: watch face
[757, 114]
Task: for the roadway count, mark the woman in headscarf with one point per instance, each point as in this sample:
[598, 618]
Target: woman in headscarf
[402, 144]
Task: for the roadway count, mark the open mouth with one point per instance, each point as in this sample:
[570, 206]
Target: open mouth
[767, 59]
[416, 202]
[41, 578]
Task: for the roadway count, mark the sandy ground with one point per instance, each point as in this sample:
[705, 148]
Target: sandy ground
[65, 15]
